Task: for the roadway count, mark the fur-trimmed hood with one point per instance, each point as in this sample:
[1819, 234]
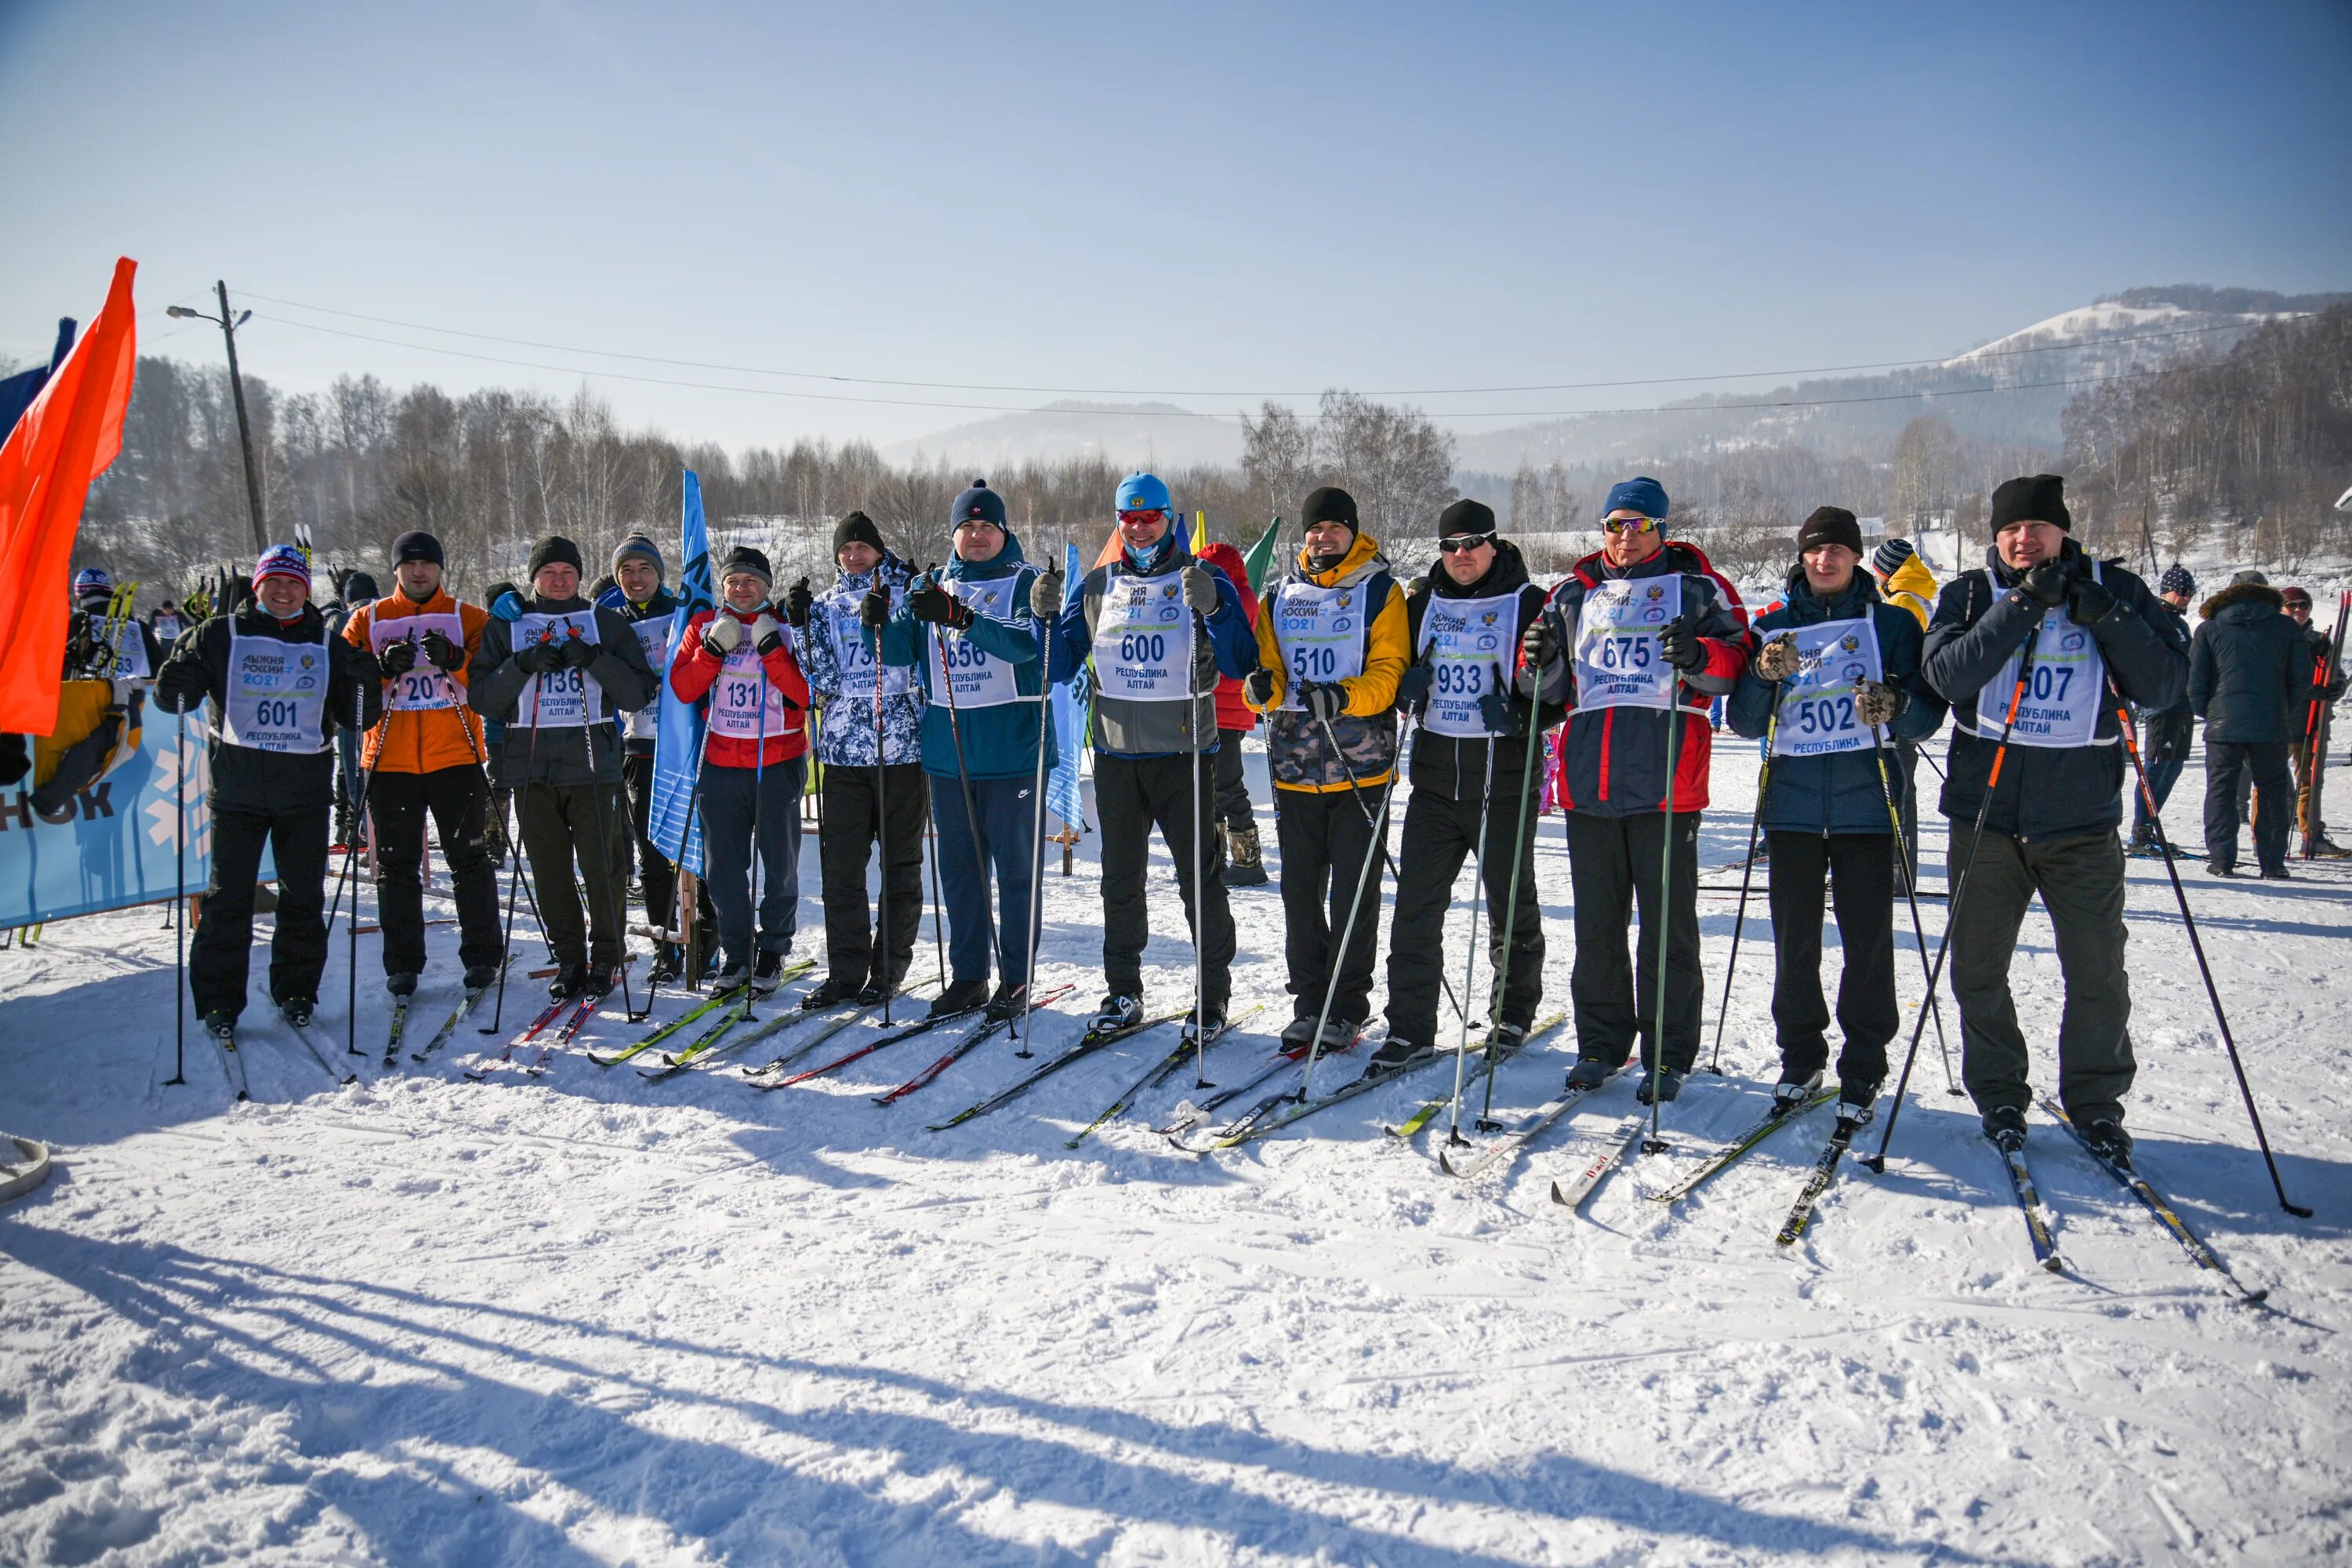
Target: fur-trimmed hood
[2262, 593]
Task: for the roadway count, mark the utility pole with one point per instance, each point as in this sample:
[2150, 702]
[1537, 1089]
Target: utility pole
[228, 325]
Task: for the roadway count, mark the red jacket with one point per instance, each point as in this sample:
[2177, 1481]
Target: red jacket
[1233, 713]
[695, 670]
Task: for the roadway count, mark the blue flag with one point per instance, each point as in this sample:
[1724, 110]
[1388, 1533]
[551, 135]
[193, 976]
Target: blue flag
[1069, 715]
[678, 746]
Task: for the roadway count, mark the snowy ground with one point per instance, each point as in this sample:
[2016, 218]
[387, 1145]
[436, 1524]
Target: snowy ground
[591, 1319]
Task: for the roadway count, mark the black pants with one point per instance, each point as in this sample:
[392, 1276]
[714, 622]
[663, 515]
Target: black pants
[586, 823]
[855, 819]
[653, 870]
[220, 956]
[1439, 835]
[1133, 796]
[1233, 783]
[1612, 864]
[2226, 761]
[1327, 845]
[1901, 768]
[732, 799]
[459, 799]
[1858, 869]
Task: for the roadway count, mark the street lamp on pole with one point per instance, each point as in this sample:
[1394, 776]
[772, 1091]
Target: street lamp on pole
[228, 325]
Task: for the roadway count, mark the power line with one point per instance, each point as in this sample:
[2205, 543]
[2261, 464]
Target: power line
[1181, 412]
[1166, 392]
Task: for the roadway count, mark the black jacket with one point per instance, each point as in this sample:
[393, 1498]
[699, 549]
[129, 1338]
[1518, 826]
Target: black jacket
[2179, 705]
[561, 756]
[1455, 765]
[242, 777]
[1843, 791]
[2249, 669]
[1981, 617]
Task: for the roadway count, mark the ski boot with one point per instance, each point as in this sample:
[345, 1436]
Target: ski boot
[830, 993]
[1857, 1103]
[1298, 1035]
[960, 996]
[1247, 867]
[221, 1026]
[2108, 1140]
[1661, 1088]
[1794, 1089]
[1116, 1013]
[767, 973]
[296, 1010]
[1504, 1039]
[1009, 1002]
[401, 985]
[1588, 1073]
[570, 982]
[2278, 873]
[2005, 1125]
[482, 976]
[1398, 1053]
[667, 964]
[1192, 1030]
[598, 980]
[1339, 1035]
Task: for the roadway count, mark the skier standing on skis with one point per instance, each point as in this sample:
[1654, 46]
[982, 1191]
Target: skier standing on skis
[642, 599]
[1650, 633]
[554, 677]
[1238, 851]
[2325, 689]
[279, 685]
[974, 622]
[1463, 620]
[2250, 680]
[358, 587]
[2166, 732]
[2049, 827]
[426, 755]
[754, 767]
[870, 800]
[1836, 672]
[1155, 728]
[1332, 643]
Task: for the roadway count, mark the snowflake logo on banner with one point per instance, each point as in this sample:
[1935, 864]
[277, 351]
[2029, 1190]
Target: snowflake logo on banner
[164, 784]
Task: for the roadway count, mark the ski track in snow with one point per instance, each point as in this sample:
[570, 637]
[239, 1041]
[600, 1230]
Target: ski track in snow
[591, 1319]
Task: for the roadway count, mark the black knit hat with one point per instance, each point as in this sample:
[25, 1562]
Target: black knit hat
[1329, 503]
[1830, 525]
[638, 547]
[1465, 516]
[360, 588]
[743, 558]
[2036, 498]
[551, 551]
[416, 545]
[857, 528]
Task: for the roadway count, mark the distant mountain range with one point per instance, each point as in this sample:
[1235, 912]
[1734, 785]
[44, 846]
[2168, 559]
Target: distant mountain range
[2038, 370]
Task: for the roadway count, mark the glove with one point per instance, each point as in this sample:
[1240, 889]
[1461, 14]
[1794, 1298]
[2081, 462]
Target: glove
[1412, 687]
[719, 637]
[541, 657]
[2045, 584]
[366, 667]
[1679, 642]
[1045, 594]
[1200, 590]
[445, 654]
[1326, 700]
[874, 610]
[576, 653]
[2089, 602]
[1257, 686]
[1875, 702]
[934, 604]
[397, 658]
[1540, 643]
[198, 605]
[1777, 660]
[508, 606]
[1496, 711]
[767, 634]
[798, 601]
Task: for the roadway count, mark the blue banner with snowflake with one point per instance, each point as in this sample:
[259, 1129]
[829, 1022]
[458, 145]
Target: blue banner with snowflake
[113, 844]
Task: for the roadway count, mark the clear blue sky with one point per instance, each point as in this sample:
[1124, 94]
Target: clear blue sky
[1190, 197]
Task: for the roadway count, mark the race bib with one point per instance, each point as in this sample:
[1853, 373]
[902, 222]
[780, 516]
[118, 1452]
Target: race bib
[129, 660]
[1143, 639]
[426, 685]
[561, 698]
[1319, 633]
[744, 704]
[1620, 662]
[976, 678]
[859, 666]
[2061, 700]
[277, 695]
[1817, 717]
[1468, 645]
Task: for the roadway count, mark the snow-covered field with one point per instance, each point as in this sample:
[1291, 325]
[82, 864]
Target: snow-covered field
[592, 1318]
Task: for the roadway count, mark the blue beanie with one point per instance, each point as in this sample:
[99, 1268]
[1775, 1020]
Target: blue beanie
[979, 502]
[1643, 495]
[1143, 492]
[2177, 580]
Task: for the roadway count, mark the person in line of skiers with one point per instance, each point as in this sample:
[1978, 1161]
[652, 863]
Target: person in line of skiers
[2166, 732]
[1160, 628]
[754, 767]
[278, 686]
[1238, 851]
[1904, 581]
[1463, 620]
[353, 589]
[2050, 825]
[1332, 643]
[554, 677]
[1640, 635]
[640, 595]
[2326, 684]
[106, 670]
[2250, 680]
[426, 755]
[1835, 678]
[974, 634]
[876, 795]
[505, 602]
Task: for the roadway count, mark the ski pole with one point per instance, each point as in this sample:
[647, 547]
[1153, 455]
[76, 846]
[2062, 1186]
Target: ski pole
[2204, 970]
[1201, 831]
[1470, 949]
[1038, 834]
[1911, 894]
[1356, 791]
[180, 903]
[1747, 874]
[1373, 853]
[359, 815]
[963, 780]
[514, 847]
[1523, 851]
[1960, 886]
[615, 908]
[938, 904]
[1655, 1142]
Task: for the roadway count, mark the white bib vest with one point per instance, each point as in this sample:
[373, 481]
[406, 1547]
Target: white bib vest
[1143, 639]
[744, 704]
[277, 695]
[1468, 645]
[426, 685]
[1620, 662]
[1320, 634]
[1817, 716]
[562, 699]
[2061, 705]
[653, 636]
[859, 664]
[980, 678]
[130, 661]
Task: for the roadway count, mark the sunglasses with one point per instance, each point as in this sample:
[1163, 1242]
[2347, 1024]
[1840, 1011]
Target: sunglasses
[1628, 524]
[1464, 542]
[1149, 514]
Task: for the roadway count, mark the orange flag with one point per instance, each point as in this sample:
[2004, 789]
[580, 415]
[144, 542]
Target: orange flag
[65, 440]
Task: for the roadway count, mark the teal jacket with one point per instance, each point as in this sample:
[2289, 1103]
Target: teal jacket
[998, 743]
